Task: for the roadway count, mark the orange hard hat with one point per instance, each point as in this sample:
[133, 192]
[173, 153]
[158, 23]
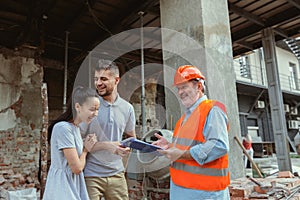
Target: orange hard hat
[186, 73]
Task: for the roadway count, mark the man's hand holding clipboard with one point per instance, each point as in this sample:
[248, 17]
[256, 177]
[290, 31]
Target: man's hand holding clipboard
[140, 145]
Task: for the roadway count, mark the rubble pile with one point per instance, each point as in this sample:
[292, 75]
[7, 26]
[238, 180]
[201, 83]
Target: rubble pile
[9, 181]
[283, 185]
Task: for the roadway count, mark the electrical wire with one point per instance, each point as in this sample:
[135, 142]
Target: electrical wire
[101, 25]
[96, 20]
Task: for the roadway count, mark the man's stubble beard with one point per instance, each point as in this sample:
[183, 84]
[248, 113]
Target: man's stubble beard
[105, 94]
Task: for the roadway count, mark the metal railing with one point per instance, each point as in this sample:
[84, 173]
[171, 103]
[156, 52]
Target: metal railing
[288, 83]
[258, 77]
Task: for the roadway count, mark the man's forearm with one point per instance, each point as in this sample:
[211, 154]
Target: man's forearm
[131, 134]
[104, 146]
[186, 155]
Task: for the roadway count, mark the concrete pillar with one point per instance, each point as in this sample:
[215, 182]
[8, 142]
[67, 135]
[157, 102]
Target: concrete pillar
[197, 32]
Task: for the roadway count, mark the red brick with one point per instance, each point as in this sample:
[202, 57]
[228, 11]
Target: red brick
[285, 174]
[238, 198]
[237, 192]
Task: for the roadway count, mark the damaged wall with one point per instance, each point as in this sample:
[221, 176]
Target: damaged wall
[20, 121]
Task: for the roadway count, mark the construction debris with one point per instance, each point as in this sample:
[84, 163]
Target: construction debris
[272, 187]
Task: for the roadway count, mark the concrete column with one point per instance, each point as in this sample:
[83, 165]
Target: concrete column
[197, 32]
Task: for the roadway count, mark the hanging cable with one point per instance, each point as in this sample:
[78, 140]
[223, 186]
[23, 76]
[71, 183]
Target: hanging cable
[96, 20]
[101, 25]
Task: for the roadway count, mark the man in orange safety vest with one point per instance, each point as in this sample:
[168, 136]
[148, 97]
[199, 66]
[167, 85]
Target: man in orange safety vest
[200, 146]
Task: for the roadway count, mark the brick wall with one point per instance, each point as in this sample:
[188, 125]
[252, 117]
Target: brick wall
[19, 158]
[20, 121]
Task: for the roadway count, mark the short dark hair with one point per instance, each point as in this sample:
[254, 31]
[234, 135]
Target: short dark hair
[107, 65]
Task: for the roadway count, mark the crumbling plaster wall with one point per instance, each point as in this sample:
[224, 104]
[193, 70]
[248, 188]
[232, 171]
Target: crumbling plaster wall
[20, 121]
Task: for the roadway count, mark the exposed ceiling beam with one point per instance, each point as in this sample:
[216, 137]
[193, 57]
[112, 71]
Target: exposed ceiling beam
[7, 24]
[27, 26]
[33, 27]
[50, 64]
[57, 44]
[16, 10]
[283, 17]
[281, 32]
[245, 44]
[12, 16]
[151, 53]
[247, 15]
[244, 50]
[154, 11]
[295, 3]
[74, 18]
[132, 17]
[114, 25]
[136, 56]
[279, 18]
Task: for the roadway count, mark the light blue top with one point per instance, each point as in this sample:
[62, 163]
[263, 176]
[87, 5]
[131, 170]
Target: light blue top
[112, 121]
[61, 182]
[216, 145]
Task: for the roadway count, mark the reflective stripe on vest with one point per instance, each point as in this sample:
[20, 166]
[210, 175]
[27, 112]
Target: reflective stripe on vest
[212, 176]
[200, 170]
[185, 142]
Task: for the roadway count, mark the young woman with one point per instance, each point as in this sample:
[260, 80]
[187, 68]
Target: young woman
[68, 153]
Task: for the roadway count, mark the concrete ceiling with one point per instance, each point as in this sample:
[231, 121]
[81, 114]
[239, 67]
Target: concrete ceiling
[42, 25]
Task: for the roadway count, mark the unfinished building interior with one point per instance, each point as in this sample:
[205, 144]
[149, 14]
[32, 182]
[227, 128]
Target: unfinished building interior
[249, 50]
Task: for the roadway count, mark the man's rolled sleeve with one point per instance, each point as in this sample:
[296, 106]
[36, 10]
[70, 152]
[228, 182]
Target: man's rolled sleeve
[216, 144]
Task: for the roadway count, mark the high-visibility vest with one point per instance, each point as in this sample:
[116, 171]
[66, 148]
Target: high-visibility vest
[212, 176]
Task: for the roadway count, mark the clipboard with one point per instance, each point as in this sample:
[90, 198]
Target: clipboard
[139, 145]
